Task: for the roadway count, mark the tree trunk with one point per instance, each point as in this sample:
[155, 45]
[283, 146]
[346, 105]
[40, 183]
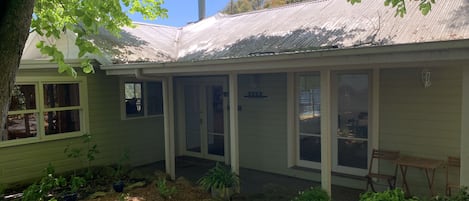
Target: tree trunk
[15, 21]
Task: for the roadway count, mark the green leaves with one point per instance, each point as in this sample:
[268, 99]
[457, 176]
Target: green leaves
[425, 6]
[53, 18]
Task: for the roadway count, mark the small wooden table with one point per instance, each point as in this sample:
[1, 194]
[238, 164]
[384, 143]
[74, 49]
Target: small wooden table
[426, 164]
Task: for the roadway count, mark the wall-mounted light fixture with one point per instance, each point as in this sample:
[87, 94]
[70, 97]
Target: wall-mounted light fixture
[426, 76]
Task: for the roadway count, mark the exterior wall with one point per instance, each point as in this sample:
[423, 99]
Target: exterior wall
[143, 138]
[421, 121]
[263, 130]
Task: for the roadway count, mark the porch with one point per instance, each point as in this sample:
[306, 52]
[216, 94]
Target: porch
[255, 185]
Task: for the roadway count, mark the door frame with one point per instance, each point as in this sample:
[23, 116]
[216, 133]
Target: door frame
[202, 82]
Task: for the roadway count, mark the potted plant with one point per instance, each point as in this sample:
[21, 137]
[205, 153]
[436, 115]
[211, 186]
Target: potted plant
[119, 171]
[221, 181]
[71, 188]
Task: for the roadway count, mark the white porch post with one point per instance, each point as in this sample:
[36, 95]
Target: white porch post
[464, 172]
[326, 159]
[168, 107]
[234, 144]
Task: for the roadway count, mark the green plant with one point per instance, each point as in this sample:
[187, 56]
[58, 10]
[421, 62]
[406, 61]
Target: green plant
[388, 195]
[220, 178]
[41, 191]
[165, 191]
[78, 153]
[314, 193]
[462, 195]
[123, 196]
[119, 170]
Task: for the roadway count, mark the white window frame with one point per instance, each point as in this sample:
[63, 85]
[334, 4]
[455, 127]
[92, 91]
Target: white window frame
[144, 99]
[38, 82]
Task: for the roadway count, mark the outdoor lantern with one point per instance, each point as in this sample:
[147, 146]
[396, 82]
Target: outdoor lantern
[426, 78]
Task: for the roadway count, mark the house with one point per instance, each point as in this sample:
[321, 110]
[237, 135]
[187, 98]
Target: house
[315, 86]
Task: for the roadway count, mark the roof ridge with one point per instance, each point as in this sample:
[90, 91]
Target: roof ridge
[154, 25]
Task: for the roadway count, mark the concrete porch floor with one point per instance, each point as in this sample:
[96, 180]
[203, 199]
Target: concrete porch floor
[256, 185]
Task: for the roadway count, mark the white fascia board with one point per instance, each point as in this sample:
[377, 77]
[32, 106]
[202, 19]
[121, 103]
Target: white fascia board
[428, 53]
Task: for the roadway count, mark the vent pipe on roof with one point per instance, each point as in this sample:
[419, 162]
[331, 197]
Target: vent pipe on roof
[201, 9]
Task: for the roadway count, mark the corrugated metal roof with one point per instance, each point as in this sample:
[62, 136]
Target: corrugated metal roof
[321, 24]
[308, 26]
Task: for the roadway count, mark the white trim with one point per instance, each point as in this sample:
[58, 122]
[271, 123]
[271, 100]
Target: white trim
[291, 131]
[326, 155]
[234, 142]
[168, 109]
[464, 152]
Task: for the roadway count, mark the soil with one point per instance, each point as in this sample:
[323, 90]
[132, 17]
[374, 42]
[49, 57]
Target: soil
[185, 191]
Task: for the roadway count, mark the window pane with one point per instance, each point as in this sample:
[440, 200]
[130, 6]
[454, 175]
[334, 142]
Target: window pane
[133, 99]
[61, 121]
[309, 104]
[216, 144]
[61, 95]
[155, 98]
[310, 148]
[21, 126]
[23, 98]
[309, 117]
[353, 153]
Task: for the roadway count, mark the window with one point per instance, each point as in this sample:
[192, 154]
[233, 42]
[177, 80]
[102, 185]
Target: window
[308, 120]
[43, 110]
[142, 99]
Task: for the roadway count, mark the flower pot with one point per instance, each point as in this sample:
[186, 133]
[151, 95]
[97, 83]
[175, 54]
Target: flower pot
[118, 186]
[223, 194]
[70, 197]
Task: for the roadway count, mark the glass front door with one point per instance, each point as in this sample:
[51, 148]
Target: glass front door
[204, 120]
[351, 139]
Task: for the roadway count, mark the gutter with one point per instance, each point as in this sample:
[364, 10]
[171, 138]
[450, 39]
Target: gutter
[329, 55]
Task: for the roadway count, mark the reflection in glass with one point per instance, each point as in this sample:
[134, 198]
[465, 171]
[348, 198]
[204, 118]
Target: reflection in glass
[154, 98]
[56, 122]
[23, 98]
[353, 153]
[216, 144]
[133, 99]
[310, 148]
[309, 117]
[20, 126]
[215, 120]
[352, 132]
[61, 95]
[192, 118]
[353, 105]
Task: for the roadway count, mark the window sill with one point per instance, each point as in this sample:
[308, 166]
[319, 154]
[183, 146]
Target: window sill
[34, 140]
[143, 117]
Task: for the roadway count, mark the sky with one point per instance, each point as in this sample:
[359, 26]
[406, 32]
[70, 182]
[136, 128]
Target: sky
[181, 12]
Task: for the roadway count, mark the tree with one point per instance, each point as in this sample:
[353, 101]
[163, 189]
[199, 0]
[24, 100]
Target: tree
[425, 6]
[240, 6]
[51, 18]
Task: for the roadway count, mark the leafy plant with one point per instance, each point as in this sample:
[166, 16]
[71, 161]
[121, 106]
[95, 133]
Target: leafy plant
[165, 191]
[221, 179]
[119, 170]
[388, 195]
[462, 195]
[314, 193]
[41, 191]
[78, 153]
[123, 196]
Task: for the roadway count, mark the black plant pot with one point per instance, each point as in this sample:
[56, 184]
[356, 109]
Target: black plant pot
[70, 197]
[118, 186]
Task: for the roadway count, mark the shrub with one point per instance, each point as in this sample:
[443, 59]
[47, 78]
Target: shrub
[462, 195]
[219, 177]
[165, 191]
[312, 194]
[389, 195]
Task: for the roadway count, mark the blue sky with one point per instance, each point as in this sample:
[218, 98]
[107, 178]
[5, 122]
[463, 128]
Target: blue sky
[180, 12]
